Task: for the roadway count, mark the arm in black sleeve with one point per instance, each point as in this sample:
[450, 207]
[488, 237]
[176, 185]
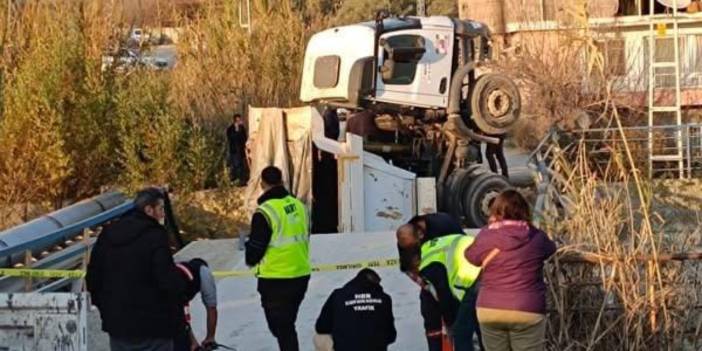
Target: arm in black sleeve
[165, 273]
[390, 320]
[435, 274]
[258, 241]
[325, 321]
[93, 277]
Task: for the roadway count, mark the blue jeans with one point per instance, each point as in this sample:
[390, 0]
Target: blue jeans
[466, 323]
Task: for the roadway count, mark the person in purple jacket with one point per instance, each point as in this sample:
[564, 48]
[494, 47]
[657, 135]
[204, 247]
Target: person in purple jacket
[511, 302]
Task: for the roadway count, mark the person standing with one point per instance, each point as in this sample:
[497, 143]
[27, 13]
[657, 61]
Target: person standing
[198, 279]
[495, 153]
[358, 316]
[236, 147]
[512, 298]
[279, 248]
[133, 280]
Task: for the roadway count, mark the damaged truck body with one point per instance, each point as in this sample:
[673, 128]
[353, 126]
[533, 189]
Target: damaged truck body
[419, 89]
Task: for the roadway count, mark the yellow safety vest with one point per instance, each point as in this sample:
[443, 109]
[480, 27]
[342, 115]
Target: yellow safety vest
[449, 251]
[287, 255]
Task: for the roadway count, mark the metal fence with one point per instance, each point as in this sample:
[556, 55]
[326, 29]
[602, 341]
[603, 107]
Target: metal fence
[681, 143]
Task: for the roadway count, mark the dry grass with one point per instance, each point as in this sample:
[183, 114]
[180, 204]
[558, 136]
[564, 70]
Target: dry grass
[613, 284]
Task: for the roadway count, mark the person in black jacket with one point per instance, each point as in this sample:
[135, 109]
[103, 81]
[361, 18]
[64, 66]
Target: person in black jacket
[359, 315]
[281, 294]
[133, 280]
[236, 146]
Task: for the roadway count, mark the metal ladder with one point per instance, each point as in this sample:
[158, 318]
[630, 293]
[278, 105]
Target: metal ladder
[653, 108]
[246, 24]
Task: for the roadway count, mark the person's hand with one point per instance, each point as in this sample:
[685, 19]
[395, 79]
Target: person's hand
[194, 346]
[209, 344]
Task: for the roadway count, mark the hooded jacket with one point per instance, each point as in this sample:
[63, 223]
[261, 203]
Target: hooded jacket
[133, 280]
[359, 317]
[514, 279]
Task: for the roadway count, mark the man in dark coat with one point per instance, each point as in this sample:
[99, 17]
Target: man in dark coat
[359, 315]
[236, 147]
[133, 280]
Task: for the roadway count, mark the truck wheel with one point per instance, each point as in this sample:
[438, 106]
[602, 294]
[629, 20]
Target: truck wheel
[495, 103]
[451, 194]
[448, 198]
[478, 196]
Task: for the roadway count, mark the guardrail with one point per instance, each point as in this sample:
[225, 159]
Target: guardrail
[77, 227]
[65, 258]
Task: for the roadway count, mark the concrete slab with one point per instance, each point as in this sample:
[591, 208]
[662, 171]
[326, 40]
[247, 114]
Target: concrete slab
[241, 321]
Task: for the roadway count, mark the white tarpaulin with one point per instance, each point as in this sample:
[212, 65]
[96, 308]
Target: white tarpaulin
[282, 138]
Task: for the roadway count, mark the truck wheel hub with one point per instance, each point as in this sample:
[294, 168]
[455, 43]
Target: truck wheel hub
[498, 103]
[486, 201]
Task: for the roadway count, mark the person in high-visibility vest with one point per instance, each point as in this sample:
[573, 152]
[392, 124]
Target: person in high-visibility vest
[453, 280]
[410, 238]
[278, 248]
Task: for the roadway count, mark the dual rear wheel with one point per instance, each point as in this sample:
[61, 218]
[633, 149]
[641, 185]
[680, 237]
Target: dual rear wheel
[468, 193]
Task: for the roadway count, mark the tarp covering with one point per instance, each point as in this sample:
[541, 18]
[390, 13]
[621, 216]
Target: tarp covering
[282, 138]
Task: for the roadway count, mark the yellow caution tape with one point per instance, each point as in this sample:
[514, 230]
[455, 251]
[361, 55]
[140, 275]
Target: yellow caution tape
[390, 262]
[77, 274]
[41, 273]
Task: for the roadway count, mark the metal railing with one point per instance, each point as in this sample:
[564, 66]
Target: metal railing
[69, 257]
[602, 143]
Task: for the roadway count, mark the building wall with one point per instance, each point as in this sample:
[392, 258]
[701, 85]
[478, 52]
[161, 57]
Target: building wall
[544, 24]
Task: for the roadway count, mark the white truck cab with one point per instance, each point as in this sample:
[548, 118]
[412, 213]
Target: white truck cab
[417, 100]
[405, 61]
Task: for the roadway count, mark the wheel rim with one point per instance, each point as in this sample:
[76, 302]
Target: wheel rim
[486, 200]
[498, 103]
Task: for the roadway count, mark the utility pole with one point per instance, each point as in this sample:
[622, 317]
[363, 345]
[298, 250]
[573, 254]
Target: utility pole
[421, 8]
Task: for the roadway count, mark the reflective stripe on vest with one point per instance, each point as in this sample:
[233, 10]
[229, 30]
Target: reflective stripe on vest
[449, 251]
[287, 255]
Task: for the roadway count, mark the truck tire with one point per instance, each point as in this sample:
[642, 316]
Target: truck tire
[495, 103]
[478, 195]
[451, 195]
[447, 197]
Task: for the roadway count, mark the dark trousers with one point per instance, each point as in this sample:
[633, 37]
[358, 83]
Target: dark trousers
[466, 323]
[281, 299]
[431, 313]
[237, 167]
[140, 344]
[182, 341]
[495, 153]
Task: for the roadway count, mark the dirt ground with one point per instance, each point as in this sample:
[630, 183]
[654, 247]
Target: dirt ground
[212, 214]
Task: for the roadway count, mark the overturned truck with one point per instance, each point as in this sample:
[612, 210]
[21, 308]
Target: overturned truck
[413, 84]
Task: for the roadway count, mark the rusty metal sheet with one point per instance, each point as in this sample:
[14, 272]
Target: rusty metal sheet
[49, 321]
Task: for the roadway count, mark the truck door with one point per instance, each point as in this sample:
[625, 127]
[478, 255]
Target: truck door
[414, 67]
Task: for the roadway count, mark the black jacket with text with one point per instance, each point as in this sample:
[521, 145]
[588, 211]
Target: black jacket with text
[359, 317]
